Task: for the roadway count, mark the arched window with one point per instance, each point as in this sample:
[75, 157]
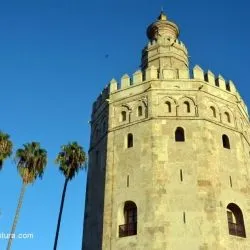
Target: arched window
[179, 134]
[123, 116]
[168, 106]
[235, 220]
[130, 220]
[227, 117]
[139, 110]
[213, 111]
[187, 106]
[225, 141]
[130, 141]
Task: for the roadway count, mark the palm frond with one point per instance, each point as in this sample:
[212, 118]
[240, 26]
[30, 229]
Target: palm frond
[5, 147]
[31, 161]
[71, 159]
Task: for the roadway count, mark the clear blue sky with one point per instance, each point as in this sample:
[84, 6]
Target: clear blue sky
[53, 65]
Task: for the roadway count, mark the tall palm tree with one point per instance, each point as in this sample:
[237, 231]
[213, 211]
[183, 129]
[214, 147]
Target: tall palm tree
[31, 162]
[5, 147]
[71, 159]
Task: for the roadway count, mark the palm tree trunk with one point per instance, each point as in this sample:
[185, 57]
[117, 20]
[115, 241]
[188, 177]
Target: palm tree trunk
[20, 202]
[60, 213]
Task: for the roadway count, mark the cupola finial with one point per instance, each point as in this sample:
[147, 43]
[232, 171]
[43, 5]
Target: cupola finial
[162, 15]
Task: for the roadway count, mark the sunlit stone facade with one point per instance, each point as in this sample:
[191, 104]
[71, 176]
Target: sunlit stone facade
[169, 156]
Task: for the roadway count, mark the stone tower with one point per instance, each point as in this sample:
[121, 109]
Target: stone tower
[169, 157]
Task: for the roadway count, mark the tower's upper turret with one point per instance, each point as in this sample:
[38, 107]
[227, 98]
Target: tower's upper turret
[162, 28]
[164, 49]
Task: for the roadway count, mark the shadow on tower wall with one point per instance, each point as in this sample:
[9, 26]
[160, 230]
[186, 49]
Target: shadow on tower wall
[94, 201]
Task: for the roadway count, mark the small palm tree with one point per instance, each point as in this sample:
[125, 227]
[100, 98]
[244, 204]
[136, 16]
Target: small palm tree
[31, 162]
[5, 147]
[71, 159]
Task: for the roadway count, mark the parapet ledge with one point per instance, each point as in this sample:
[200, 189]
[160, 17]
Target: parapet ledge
[138, 77]
[219, 81]
[126, 81]
[177, 43]
[151, 73]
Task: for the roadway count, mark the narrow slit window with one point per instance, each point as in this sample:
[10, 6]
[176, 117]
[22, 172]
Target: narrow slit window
[181, 175]
[225, 141]
[187, 105]
[213, 111]
[184, 217]
[230, 179]
[128, 181]
[168, 104]
[139, 110]
[130, 141]
[123, 116]
[227, 117]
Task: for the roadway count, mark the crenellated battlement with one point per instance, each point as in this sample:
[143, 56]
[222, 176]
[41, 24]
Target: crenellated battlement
[152, 73]
[217, 81]
[209, 77]
[175, 44]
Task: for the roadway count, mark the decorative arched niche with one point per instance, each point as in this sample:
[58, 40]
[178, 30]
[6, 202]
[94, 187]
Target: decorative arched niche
[139, 110]
[122, 114]
[227, 116]
[212, 111]
[167, 106]
[186, 106]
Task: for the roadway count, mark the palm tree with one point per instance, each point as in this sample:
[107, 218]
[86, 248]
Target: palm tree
[71, 159]
[31, 162]
[5, 147]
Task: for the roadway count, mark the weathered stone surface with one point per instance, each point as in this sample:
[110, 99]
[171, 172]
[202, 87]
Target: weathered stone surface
[181, 189]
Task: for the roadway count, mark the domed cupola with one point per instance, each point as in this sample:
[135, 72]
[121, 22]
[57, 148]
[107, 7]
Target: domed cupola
[162, 28]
